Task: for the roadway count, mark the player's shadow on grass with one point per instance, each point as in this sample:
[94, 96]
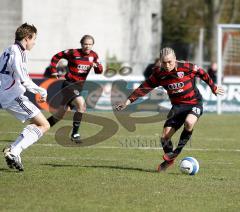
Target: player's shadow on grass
[100, 166]
[8, 170]
[173, 173]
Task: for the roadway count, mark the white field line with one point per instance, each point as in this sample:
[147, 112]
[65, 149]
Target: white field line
[140, 137]
[135, 148]
[17, 133]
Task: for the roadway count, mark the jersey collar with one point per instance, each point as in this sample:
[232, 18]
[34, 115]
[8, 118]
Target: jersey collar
[20, 45]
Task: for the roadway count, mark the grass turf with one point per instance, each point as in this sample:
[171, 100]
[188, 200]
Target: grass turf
[117, 175]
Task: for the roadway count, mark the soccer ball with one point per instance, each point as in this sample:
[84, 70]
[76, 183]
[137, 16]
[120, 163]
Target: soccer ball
[189, 165]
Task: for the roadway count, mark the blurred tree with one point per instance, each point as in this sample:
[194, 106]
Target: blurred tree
[182, 21]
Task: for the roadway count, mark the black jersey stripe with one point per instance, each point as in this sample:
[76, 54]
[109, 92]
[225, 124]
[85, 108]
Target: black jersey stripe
[23, 106]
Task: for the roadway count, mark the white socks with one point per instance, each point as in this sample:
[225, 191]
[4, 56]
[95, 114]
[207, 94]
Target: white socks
[29, 136]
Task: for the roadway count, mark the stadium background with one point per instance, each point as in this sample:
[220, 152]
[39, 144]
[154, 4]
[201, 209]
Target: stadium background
[119, 174]
[128, 33]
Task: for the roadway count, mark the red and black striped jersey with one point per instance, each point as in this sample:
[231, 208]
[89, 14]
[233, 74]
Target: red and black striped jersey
[79, 64]
[179, 83]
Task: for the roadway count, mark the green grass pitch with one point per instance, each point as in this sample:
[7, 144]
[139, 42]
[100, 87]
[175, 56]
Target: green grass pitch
[117, 175]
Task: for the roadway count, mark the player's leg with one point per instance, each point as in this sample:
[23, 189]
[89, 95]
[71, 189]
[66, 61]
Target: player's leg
[30, 134]
[24, 110]
[58, 115]
[186, 134]
[176, 119]
[167, 146]
[173, 123]
[169, 130]
[194, 112]
[166, 142]
[80, 106]
[66, 95]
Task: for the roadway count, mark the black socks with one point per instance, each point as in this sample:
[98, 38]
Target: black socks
[52, 121]
[184, 138]
[76, 122]
[167, 145]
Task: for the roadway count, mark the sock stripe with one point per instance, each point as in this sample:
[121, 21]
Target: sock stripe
[35, 129]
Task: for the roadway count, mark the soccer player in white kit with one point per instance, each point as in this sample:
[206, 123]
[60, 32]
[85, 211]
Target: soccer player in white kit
[14, 81]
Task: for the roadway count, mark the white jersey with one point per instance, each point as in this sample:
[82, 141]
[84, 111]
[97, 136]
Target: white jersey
[14, 77]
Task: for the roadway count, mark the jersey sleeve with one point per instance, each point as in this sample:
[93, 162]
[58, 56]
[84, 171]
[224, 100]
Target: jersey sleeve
[98, 69]
[33, 88]
[147, 86]
[55, 59]
[21, 73]
[205, 77]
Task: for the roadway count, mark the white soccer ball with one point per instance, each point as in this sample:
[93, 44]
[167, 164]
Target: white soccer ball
[189, 165]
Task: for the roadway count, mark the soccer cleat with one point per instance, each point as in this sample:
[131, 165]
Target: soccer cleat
[164, 165]
[13, 160]
[170, 156]
[16, 161]
[76, 138]
[9, 162]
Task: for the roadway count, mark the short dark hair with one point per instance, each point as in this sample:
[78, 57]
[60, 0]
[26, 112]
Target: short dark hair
[86, 37]
[25, 30]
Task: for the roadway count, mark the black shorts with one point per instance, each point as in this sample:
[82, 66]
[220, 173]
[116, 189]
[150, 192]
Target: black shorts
[178, 113]
[69, 91]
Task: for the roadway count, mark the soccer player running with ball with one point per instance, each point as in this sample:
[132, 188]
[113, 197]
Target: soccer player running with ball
[80, 63]
[178, 79]
[14, 81]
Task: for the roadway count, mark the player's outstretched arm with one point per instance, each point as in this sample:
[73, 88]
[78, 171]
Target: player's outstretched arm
[147, 86]
[122, 106]
[219, 90]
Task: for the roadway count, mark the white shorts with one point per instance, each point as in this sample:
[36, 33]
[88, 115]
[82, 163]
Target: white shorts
[22, 108]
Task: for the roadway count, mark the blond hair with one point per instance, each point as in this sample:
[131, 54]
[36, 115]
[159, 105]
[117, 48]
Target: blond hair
[166, 51]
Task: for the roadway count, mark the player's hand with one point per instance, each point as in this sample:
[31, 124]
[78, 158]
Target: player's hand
[220, 90]
[95, 65]
[55, 75]
[42, 99]
[122, 106]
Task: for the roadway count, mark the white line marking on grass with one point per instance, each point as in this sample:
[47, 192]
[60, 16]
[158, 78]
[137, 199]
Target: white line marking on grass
[135, 148]
[140, 137]
[159, 148]
[5, 133]
[132, 147]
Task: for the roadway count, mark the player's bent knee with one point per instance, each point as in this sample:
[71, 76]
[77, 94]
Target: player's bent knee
[167, 133]
[41, 122]
[46, 126]
[189, 125]
[80, 110]
[165, 137]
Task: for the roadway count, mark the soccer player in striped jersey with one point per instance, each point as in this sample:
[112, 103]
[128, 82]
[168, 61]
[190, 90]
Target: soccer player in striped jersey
[14, 81]
[80, 63]
[178, 79]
